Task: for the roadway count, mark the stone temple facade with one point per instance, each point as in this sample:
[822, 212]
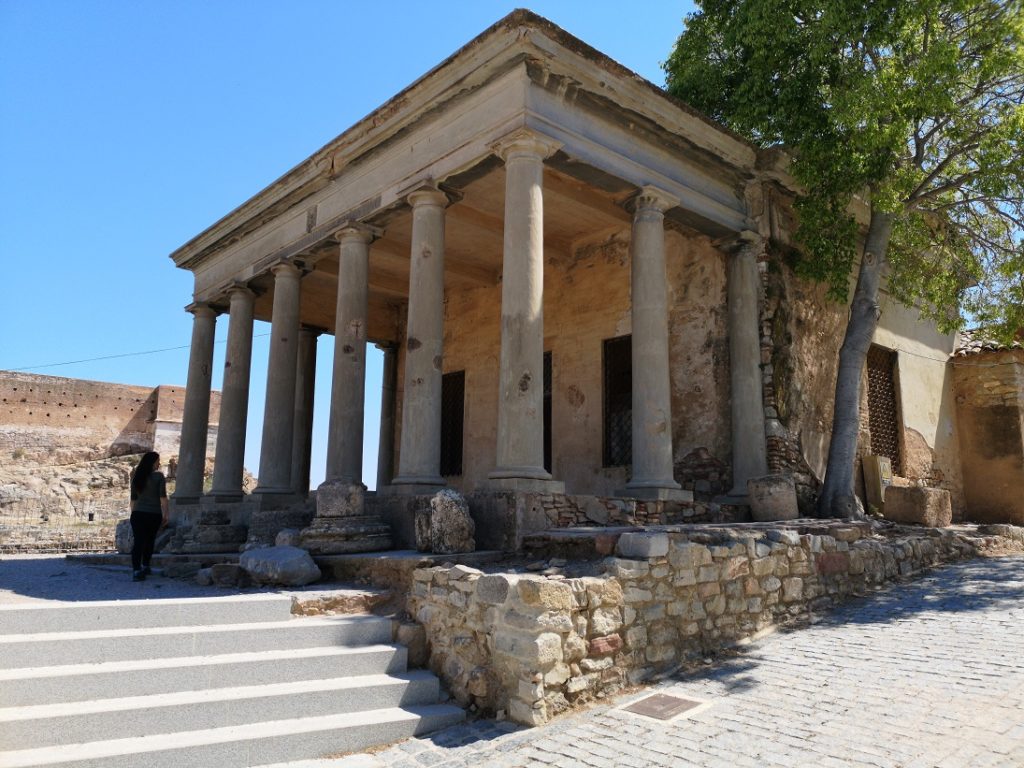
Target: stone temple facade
[580, 288]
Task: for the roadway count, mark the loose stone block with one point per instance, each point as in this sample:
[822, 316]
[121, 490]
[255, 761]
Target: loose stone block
[289, 566]
[772, 498]
[642, 545]
[920, 506]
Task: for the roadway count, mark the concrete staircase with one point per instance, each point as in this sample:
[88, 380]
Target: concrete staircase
[222, 681]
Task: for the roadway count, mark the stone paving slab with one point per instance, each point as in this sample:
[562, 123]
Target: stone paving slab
[928, 674]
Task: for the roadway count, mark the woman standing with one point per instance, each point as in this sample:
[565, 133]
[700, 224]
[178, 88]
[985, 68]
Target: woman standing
[149, 511]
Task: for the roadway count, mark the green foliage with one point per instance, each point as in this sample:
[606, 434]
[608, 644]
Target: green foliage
[915, 107]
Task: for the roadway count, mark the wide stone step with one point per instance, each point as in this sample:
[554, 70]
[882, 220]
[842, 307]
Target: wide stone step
[81, 682]
[107, 719]
[83, 647]
[242, 746]
[35, 618]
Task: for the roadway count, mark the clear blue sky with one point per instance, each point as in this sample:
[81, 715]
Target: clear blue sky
[129, 126]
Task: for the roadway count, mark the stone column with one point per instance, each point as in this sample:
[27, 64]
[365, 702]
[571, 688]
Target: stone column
[302, 430]
[749, 452]
[195, 419]
[345, 436]
[420, 458]
[234, 402]
[279, 408]
[652, 394]
[386, 445]
[520, 445]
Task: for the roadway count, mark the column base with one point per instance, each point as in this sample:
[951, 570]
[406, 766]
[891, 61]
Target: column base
[645, 492]
[525, 484]
[407, 485]
[225, 497]
[340, 498]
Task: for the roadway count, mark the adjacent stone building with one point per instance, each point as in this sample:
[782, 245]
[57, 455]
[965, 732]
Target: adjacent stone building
[989, 388]
[580, 288]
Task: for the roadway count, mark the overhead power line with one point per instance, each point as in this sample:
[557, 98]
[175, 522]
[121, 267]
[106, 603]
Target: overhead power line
[114, 357]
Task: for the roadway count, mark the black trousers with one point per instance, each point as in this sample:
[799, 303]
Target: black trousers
[145, 526]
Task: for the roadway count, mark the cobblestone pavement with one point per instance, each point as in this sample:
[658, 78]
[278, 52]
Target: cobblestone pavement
[925, 674]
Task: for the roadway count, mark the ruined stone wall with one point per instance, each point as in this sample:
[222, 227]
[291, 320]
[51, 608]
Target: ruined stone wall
[72, 418]
[67, 447]
[587, 301]
[989, 394]
[534, 646]
[801, 332]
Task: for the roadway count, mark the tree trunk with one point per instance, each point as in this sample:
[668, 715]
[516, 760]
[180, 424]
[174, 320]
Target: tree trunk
[837, 497]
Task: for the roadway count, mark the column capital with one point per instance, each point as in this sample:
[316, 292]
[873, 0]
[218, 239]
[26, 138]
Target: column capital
[427, 193]
[357, 231]
[311, 330]
[202, 309]
[524, 142]
[744, 241]
[286, 268]
[240, 288]
[651, 198]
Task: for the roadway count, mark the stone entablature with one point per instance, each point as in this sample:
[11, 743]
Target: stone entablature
[534, 646]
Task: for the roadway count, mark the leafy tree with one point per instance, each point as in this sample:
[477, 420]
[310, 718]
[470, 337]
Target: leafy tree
[915, 106]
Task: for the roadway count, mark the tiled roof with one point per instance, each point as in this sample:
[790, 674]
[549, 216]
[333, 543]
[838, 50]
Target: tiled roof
[974, 341]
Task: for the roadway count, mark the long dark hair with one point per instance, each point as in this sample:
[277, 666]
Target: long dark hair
[144, 469]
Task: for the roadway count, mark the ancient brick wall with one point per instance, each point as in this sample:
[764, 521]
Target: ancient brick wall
[989, 393]
[67, 447]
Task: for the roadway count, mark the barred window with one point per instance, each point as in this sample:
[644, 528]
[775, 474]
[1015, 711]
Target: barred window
[617, 365]
[453, 395]
[883, 410]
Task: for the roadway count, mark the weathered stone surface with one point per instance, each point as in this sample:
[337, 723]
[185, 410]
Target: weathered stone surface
[123, 537]
[340, 499]
[414, 637]
[289, 566]
[642, 545]
[450, 527]
[772, 498]
[289, 537]
[920, 506]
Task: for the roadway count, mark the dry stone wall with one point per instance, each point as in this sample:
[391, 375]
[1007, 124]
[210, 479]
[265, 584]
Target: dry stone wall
[533, 646]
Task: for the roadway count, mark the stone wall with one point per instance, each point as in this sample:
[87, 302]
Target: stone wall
[587, 290]
[989, 392]
[67, 447]
[533, 646]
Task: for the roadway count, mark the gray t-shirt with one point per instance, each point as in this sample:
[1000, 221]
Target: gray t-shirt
[149, 499]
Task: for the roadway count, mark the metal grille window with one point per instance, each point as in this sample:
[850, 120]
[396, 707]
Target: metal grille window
[618, 401]
[453, 398]
[547, 411]
[883, 412]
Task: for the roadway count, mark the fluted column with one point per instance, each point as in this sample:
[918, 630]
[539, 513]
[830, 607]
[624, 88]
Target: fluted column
[749, 450]
[420, 457]
[386, 445]
[302, 429]
[195, 419]
[279, 408]
[520, 442]
[652, 475]
[234, 403]
[345, 436]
